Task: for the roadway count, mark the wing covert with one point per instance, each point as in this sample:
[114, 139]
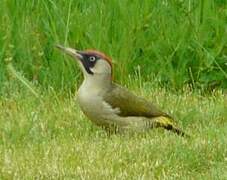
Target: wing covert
[130, 104]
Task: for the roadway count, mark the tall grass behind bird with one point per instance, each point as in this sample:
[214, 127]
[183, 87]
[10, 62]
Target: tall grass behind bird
[137, 34]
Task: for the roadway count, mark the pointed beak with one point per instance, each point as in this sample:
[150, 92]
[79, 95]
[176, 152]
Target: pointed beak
[70, 51]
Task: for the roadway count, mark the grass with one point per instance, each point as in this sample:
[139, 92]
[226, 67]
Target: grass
[173, 42]
[49, 137]
[171, 52]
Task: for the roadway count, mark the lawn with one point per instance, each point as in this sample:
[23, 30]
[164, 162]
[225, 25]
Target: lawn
[49, 138]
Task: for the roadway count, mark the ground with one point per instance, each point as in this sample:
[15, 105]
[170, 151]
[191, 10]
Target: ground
[49, 137]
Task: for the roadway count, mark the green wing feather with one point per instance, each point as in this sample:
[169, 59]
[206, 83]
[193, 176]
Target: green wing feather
[132, 105]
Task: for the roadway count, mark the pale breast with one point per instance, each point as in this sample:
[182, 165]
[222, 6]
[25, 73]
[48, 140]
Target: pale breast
[95, 108]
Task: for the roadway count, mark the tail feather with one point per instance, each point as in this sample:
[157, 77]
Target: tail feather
[168, 124]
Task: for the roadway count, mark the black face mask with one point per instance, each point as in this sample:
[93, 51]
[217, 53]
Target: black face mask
[89, 61]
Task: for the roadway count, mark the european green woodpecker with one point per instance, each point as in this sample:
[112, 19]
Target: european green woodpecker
[109, 105]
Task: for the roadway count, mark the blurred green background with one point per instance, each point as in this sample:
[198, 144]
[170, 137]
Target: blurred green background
[169, 42]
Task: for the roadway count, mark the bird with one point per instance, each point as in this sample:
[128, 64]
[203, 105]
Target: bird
[110, 105]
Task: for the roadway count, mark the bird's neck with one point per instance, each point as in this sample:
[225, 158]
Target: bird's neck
[97, 83]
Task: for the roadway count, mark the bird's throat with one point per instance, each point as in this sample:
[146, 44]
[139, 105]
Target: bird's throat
[96, 83]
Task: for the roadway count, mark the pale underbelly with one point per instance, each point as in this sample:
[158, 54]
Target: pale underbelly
[107, 118]
[97, 111]
[102, 114]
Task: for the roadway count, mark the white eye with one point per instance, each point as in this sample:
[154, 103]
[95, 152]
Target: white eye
[92, 58]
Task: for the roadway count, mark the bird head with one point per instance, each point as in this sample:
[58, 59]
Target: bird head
[91, 62]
